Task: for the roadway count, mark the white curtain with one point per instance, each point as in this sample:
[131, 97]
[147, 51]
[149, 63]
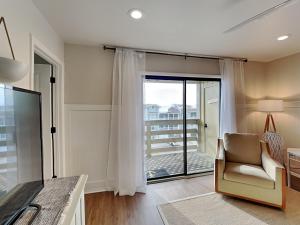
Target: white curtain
[125, 171]
[233, 116]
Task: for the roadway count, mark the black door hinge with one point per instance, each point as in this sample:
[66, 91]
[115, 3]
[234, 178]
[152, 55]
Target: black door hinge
[53, 130]
[52, 80]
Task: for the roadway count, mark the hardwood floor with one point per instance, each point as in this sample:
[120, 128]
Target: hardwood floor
[106, 209]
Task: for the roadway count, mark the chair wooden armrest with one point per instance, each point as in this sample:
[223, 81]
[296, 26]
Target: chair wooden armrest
[270, 165]
[220, 150]
[275, 170]
[219, 163]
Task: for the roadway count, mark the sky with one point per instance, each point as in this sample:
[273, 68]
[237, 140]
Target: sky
[165, 94]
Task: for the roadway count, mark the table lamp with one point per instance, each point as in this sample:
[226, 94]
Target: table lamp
[269, 106]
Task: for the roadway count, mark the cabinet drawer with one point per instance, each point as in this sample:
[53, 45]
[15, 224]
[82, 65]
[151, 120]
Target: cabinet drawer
[295, 166]
[295, 183]
[295, 157]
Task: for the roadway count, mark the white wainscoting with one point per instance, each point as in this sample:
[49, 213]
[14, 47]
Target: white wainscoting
[287, 105]
[87, 140]
[87, 137]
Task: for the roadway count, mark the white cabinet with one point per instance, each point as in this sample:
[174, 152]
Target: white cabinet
[79, 217]
[293, 167]
[74, 213]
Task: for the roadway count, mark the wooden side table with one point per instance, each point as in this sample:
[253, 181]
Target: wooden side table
[293, 164]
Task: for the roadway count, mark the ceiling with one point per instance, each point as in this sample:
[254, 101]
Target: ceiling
[187, 26]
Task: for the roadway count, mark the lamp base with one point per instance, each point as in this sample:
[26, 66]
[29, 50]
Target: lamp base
[269, 123]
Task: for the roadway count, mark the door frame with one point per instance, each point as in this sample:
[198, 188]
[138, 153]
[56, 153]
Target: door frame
[37, 47]
[184, 78]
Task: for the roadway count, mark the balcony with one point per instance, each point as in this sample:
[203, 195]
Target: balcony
[164, 148]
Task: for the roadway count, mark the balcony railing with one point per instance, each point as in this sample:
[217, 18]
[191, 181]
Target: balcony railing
[166, 136]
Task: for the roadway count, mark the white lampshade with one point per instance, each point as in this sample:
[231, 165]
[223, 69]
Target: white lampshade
[270, 105]
[11, 70]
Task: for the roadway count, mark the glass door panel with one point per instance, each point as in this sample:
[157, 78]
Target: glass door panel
[202, 129]
[164, 128]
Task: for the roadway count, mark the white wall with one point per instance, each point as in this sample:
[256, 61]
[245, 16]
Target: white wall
[254, 89]
[23, 19]
[89, 69]
[177, 64]
[278, 79]
[88, 76]
[88, 88]
[255, 81]
[283, 82]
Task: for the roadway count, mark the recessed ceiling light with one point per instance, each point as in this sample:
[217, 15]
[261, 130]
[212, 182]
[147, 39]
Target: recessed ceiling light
[283, 37]
[135, 14]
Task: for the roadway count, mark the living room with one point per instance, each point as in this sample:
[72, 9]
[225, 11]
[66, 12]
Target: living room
[139, 95]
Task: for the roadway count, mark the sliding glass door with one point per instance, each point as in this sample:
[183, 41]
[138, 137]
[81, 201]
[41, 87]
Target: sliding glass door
[163, 116]
[181, 118]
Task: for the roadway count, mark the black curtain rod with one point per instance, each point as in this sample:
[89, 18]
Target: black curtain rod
[106, 47]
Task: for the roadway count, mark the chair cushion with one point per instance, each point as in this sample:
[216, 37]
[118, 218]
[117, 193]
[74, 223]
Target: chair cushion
[242, 148]
[248, 174]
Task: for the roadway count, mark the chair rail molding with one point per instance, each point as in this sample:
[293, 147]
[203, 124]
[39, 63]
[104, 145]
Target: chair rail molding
[86, 107]
[287, 105]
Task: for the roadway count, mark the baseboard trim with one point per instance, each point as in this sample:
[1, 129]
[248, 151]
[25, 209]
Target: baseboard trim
[96, 186]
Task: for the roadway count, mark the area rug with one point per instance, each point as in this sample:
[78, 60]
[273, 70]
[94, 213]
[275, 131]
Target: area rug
[216, 209]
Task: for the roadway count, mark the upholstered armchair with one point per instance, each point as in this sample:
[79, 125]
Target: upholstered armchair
[244, 169]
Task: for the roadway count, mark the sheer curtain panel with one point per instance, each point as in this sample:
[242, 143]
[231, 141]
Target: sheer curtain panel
[233, 116]
[125, 171]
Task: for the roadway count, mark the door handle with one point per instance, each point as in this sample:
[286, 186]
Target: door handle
[205, 125]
